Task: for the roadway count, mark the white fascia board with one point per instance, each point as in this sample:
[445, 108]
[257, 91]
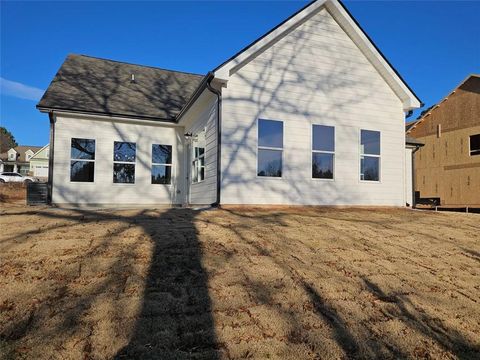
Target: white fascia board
[224, 72]
[39, 151]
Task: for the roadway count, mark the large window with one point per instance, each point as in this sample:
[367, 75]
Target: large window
[323, 151]
[82, 160]
[161, 164]
[124, 156]
[370, 155]
[198, 156]
[270, 148]
[475, 145]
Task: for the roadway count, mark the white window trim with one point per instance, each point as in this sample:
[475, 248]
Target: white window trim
[89, 160]
[470, 145]
[369, 155]
[153, 164]
[323, 152]
[124, 162]
[195, 161]
[271, 148]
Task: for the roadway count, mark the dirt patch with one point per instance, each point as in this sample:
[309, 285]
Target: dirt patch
[238, 283]
[12, 193]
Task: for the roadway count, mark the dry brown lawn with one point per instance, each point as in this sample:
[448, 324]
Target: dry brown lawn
[299, 283]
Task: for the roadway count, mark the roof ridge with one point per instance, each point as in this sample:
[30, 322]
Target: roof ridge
[129, 63]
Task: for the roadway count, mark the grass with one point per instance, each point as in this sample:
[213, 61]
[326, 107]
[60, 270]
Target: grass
[238, 283]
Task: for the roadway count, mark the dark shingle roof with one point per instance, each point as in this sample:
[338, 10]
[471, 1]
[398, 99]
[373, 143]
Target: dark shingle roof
[94, 85]
[21, 150]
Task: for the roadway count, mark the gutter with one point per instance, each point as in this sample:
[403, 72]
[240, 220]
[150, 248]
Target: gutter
[50, 158]
[86, 112]
[414, 202]
[210, 77]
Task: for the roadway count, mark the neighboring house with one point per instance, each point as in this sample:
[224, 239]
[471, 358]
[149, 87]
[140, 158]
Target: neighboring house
[311, 113]
[448, 166]
[39, 162]
[17, 159]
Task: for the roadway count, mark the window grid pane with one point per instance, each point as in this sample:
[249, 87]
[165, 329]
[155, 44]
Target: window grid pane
[370, 155]
[161, 174]
[323, 138]
[270, 134]
[82, 149]
[124, 157]
[82, 160]
[322, 165]
[269, 163]
[82, 171]
[270, 148]
[123, 173]
[161, 154]
[124, 152]
[198, 165]
[370, 168]
[370, 142]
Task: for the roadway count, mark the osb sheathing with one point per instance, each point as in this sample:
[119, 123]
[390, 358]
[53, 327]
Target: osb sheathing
[444, 167]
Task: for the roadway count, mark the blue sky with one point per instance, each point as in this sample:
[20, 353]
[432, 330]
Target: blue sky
[434, 45]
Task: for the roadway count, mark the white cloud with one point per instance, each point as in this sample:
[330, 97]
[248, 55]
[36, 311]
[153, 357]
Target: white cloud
[19, 90]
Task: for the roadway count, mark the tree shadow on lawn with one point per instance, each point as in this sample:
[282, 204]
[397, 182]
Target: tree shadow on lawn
[175, 317]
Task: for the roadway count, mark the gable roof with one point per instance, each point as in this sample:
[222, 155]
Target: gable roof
[99, 86]
[21, 150]
[413, 124]
[39, 151]
[340, 13]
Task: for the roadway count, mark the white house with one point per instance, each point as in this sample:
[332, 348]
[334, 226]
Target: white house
[39, 162]
[17, 159]
[311, 113]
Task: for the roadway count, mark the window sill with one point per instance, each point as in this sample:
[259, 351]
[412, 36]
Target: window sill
[270, 177]
[323, 179]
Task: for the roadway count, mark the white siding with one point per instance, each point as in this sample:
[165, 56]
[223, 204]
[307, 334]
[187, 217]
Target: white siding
[314, 75]
[203, 116]
[103, 190]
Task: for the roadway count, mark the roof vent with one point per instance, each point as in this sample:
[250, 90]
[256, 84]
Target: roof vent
[132, 78]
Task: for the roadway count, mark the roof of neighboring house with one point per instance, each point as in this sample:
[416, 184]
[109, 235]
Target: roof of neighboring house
[412, 141]
[411, 125]
[34, 156]
[21, 150]
[99, 86]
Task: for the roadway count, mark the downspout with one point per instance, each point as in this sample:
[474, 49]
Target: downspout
[219, 136]
[50, 158]
[414, 203]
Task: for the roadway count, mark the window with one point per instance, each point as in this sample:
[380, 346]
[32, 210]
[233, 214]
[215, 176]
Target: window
[475, 145]
[370, 155]
[124, 156]
[270, 148]
[12, 156]
[161, 164]
[82, 160]
[323, 151]
[198, 156]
